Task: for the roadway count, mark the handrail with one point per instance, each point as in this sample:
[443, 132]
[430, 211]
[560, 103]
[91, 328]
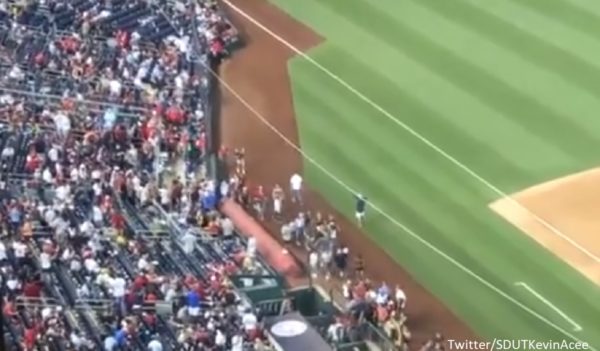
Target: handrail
[84, 101]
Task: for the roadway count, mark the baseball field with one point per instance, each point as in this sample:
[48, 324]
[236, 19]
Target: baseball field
[474, 129]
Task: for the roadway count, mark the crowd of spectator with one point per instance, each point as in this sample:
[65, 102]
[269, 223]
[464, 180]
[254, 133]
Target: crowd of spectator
[104, 243]
[327, 256]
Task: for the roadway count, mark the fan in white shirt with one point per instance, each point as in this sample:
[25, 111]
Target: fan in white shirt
[53, 154]
[155, 345]
[47, 176]
[74, 174]
[143, 262]
[96, 174]
[45, 261]
[91, 265]
[296, 187]
[237, 343]
[251, 247]
[115, 87]
[164, 196]
[333, 332]
[118, 287]
[62, 192]
[249, 321]
[86, 227]
[189, 242]
[313, 262]
[220, 339]
[20, 249]
[8, 151]
[62, 123]
[400, 297]
[97, 215]
[13, 283]
[3, 255]
[227, 226]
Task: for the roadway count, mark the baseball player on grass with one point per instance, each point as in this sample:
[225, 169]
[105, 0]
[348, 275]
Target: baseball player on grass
[361, 207]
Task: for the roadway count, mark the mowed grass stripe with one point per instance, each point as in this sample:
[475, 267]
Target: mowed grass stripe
[530, 79]
[566, 13]
[569, 59]
[479, 82]
[420, 115]
[590, 6]
[355, 149]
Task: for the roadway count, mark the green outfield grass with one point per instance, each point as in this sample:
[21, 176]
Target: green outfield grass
[510, 88]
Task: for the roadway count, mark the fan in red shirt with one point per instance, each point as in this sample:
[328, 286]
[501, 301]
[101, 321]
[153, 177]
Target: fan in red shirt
[258, 194]
[139, 282]
[217, 48]
[30, 337]
[117, 221]
[106, 204]
[150, 297]
[69, 44]
[201, 142]
[122, 38]
[40, 59]
[33, 289]
[9, 309]
[32, 162]
[175, 115]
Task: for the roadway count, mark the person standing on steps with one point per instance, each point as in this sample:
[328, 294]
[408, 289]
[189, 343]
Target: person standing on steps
[240, 162]
[259, 201]
[296, 188]
[361, 207]
[277, 196]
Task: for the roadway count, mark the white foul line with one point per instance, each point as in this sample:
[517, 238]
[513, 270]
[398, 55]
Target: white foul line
[416, 134]
[386, 215]
[576, 327]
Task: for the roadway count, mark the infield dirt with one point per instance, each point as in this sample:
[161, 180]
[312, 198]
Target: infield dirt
[258, 73]
[570, 204]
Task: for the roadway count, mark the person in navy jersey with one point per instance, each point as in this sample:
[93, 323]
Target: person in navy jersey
[361, 207]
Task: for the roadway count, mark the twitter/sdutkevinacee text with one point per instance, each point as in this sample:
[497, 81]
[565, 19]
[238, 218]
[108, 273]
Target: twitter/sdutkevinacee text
[517, 344]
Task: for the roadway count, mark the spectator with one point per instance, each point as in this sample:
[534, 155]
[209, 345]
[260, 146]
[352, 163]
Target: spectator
[259, 202]
[287, 230]
[277, 197]
[341, 260]
[299, 228]
[313, 263]
[400, 297]
[189, 242]
[296, 188]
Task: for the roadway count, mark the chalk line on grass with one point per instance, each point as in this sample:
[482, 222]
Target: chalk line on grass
[386, 215]
[416, 134]
[576, 327]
